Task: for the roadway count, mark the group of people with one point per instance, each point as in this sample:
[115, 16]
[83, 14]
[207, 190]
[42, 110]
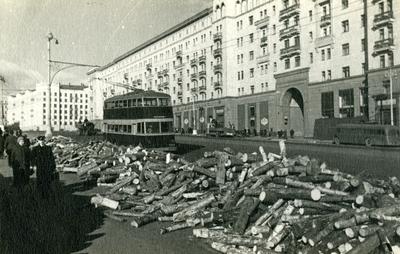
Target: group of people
[25, 159]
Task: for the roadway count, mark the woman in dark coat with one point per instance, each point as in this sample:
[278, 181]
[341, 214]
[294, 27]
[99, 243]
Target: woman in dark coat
[20, 163]
[9, 144]
[43, 161]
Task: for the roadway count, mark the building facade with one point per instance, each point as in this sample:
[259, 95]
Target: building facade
[268, 64]
[70, 104]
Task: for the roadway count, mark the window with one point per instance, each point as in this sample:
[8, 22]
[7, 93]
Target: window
[381, 34]
[252, 89]
[382, 61]
[346, 71]
[345, 49]
[310, 15]
[252, 73]
[310, 34]
[323, 55]
[362, 20]
[287, 63]
[345, 4]
[275, 66]
[297, 61]
[329, 75]
[345, 26]
[274, 29]
[390, 59]
[311, 58]
[251, 55]
[251, 20]
[363, 68]
[274, 46]
[327, 105]
[328, 53]
[251, 36]
[346, 103]
[323, 75]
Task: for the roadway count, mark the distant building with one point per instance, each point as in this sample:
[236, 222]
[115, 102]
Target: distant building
[70, 104]
[261, 64]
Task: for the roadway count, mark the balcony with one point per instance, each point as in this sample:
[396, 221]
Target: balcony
[289, 12]
[262, 22]
[217, 85]
[148, 66]
[383, 46]
[383, 19]
[217, 52]
[323, 41]
[202, 88]
[290, 51]
[179, 53]
[325, 20]
[202, 59]
[202, 74]
[178, 66]
[193, 62]
[217, 37]
[160, 74]
[289, 32]
[217, 68]
[180, 93]
[179, 80]
[194, 76]
[263, 41]
[193, 90]
[263, 59]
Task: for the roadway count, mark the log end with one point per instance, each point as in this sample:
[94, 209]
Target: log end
[315, 194]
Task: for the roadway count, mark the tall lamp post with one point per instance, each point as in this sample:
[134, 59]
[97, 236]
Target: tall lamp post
[67, 65]
[391, 74]
[194, 112]
[50, 37]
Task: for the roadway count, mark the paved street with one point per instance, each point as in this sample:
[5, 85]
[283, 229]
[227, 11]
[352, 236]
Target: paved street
[377, 161]
[76, 227]
[71, 225]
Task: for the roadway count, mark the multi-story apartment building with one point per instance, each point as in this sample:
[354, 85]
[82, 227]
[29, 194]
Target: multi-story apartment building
[262, 64]
[70, 104]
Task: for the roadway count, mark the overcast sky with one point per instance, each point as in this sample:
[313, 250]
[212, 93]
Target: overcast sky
[89, 31]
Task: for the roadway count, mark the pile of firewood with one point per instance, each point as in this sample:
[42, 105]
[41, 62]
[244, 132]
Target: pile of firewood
[243, 203]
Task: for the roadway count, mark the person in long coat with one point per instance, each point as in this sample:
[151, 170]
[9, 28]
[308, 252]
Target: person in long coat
[21, 163]
[45, 165]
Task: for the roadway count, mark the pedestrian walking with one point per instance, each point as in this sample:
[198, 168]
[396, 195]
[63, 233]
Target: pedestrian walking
[20, 163]
[44, 164]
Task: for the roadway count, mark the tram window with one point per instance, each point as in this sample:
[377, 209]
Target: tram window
[125, 128]
[150, 102]
[129, 103]
[129, 129]
[152, 127]
[164, 102]
[133, 103]
[140, 127]
[166, 127]
[139, 102]
[125, 103]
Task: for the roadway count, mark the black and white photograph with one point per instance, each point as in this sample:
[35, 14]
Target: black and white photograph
[200, 126]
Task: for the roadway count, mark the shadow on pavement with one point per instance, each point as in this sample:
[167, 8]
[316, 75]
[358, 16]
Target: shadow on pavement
[60, 224]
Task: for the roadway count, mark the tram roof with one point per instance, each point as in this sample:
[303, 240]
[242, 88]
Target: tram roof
[138, 94]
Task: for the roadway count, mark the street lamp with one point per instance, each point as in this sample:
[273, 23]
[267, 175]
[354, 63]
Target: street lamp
[50, 37]
[391, 74]
[194, 113]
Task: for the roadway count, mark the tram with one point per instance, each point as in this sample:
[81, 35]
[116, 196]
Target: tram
[140, 118]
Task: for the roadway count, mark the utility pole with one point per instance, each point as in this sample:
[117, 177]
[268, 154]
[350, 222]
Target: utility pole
[2, 99]
[50, 37]
[366, 60]
[391, 74]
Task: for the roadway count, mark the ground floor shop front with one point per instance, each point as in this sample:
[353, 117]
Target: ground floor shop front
[295, 104]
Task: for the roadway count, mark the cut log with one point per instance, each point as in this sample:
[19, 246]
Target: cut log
[247, 209]
[194, 208]
[204, 171]
[103, 201]
[179, 226]
[141, 221]
[121, 184]
[270, 212]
